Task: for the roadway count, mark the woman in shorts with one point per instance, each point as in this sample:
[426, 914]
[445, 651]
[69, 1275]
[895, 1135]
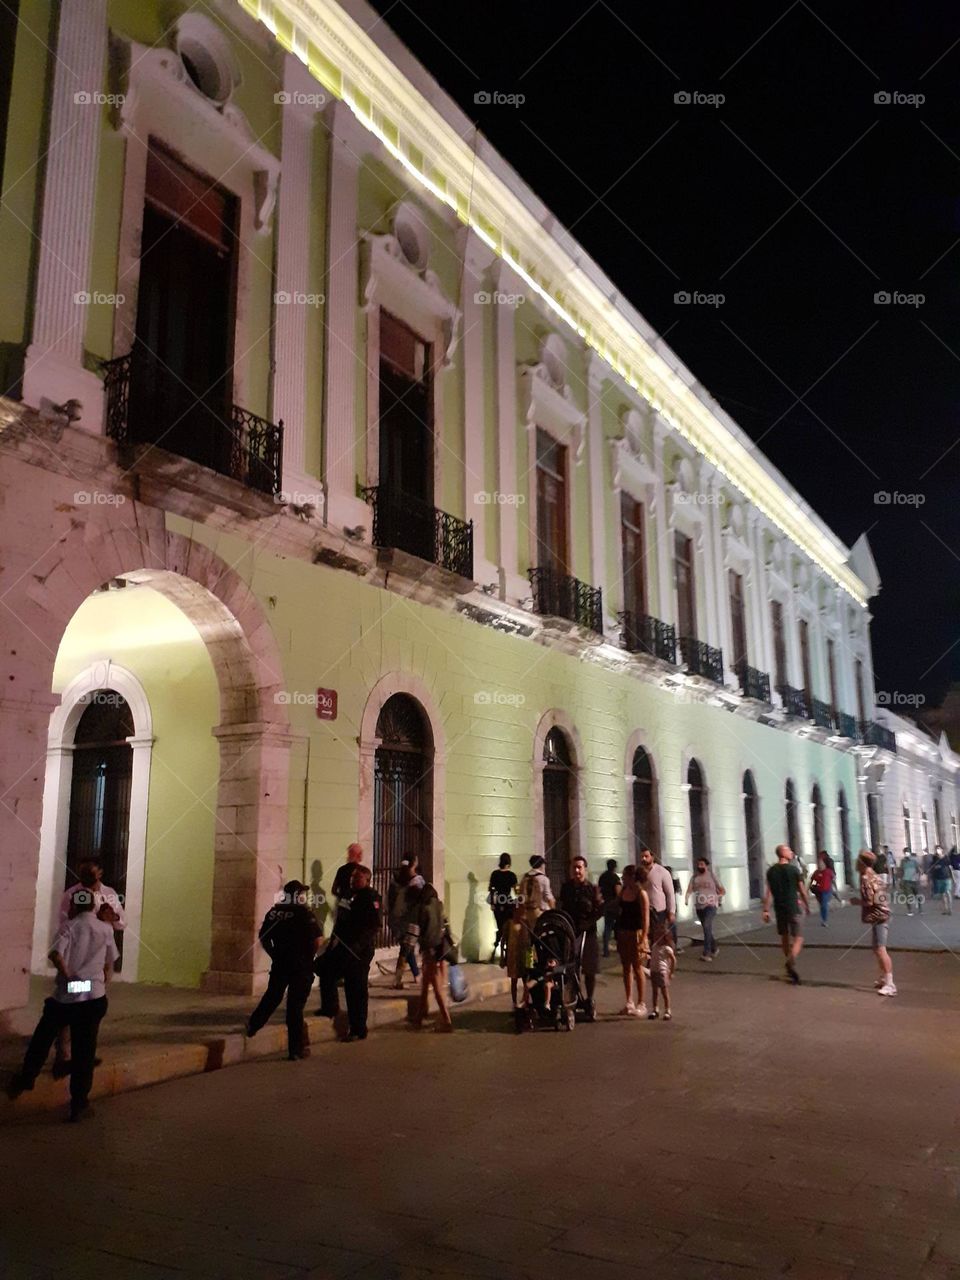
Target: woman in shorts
[633, 932]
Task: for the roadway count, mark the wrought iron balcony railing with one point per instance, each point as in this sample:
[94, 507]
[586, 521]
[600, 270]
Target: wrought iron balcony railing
[558, 595]
[794, 702]
[414, 526]
[877, 735]
[753, 683]
[702, 659]
[821, 713]
[640, 633]
[846, 725]
[147, 404]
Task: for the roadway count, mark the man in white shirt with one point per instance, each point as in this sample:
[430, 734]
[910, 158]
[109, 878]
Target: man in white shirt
[83, 954]
[660, 891]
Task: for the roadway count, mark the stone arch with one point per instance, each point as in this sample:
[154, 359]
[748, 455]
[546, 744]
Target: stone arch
[131, 541]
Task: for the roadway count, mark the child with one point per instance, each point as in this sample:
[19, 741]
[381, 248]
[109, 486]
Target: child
[663, 961]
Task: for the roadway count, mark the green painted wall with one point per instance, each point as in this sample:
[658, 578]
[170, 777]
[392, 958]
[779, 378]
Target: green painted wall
[141, 630]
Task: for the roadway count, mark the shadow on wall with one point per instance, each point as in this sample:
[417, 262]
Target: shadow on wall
[470, 933]
[318, 895]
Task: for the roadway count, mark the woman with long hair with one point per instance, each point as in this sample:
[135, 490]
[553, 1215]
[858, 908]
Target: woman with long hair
[822, 882]
[633, 933]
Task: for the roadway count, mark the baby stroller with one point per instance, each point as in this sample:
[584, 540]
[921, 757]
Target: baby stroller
[551, 975]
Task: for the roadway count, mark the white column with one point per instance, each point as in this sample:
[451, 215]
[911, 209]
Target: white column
[343, 363]
[662, 529]
[708, 628]
[54, 362]
[599, 513]
[293, 272]
[762, 628]
[723, 631]
[476, 304]
[513, 586]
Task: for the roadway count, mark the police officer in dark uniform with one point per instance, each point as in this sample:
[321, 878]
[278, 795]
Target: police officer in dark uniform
[350, 954]
[583, 903]
[290, 935]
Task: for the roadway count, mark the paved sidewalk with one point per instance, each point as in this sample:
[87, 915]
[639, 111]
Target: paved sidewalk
[155, 1033]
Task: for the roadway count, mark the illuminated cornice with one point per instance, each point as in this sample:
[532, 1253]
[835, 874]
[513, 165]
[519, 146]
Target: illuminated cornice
[465, 174]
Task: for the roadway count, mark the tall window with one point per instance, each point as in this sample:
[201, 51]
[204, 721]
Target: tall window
[954, 831]
[697, 797]
[937, 821]
[832, 669]
[403, 790]
[924, 831]
[793, 827]
[858, 675]
[805, 659]
[844, 814]
[873, 818]
[646, 826]
[686, 587]
[779, 644]
[907, 838]
[406, 411]
[559, 782]
[816, 803]
[634, 555]
[552, 545]
[751, 822]
[738, 619]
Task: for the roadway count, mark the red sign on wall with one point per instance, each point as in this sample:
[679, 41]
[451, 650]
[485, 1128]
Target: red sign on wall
[326, 704]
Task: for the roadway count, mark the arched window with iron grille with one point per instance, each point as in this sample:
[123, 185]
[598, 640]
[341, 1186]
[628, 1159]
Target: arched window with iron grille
[844, 813]
[793, 828]
[559, 800]
[819, 826]
[646, 822]
[751, 822]
[403, 791]
[699, 825]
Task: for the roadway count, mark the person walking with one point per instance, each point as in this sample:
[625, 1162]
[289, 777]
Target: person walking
[609, 885]
[788, 893]
[402, 911]
[663, 963]
[83, 954]
[821, 884]
[659, 889]
[583, 903]
[349, 955]
[501, 895]
[633, 933]
[875, 911]
[707, 894]
[941, 881]
[953, 858]
[910, 882]
[534, 896]
[290, 935]
[434, 944]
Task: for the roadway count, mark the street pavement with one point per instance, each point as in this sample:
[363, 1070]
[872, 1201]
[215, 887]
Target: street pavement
[806, 1132]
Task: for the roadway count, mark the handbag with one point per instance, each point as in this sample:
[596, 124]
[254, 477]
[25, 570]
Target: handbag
[458, 984]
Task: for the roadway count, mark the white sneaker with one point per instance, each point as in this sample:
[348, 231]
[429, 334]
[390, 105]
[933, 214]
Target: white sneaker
[640, 1011]
[628, 1009]
[888, 989]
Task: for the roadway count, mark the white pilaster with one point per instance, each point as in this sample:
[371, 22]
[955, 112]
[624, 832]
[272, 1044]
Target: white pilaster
[708, 627]
[347, 144]
[762, 622]
[600, 513]
[54, 362]
[293, 273]
[666, 609]
[723, 622]
[476, 303]
[513, 587]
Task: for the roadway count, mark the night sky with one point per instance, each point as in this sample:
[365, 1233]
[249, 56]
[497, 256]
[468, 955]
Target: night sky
[798, 198]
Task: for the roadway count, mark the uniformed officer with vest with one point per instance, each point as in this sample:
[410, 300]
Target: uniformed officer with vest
[349, 954]
[290, 935]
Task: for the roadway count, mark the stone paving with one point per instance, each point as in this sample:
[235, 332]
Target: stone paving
[767, 1131]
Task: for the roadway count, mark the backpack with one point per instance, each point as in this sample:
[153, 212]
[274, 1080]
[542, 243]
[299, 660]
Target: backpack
[431, 919]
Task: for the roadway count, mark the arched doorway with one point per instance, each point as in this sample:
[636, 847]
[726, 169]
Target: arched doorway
[793, 827]
[697, 799]
[819, 826]
[646, 822]
[402, 792]
[559, 784]
[844, 814]
[751, 822]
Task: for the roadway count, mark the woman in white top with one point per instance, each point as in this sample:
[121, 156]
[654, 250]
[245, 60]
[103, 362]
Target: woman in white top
[708, 894]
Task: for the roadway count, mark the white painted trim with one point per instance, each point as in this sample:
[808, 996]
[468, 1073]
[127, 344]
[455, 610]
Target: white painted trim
[55, 824]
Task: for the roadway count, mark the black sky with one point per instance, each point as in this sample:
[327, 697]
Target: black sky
[798, 198]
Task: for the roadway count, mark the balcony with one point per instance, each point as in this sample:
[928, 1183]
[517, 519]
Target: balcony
[753, 683]
[640, 633]
[702, 659]
[147, 404]
[846, 726]
[557, 595]
[875, 735]
[821, 713]
[411, 525]
[794, 702]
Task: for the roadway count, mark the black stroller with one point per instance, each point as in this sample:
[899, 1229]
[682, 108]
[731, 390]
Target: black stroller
[552, 986]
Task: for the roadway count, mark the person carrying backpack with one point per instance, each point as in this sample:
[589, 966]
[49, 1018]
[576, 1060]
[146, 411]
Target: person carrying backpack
[434, 944]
